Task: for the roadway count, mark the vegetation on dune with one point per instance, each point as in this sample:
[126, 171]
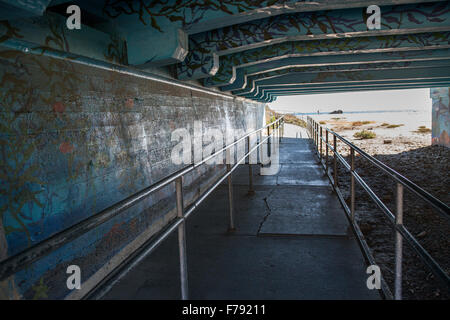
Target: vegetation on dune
[391, 126]
[360, 123]
[423, 129]
[288, 118]
[365, 134]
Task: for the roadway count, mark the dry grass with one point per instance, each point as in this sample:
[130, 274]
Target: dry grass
[391, 126]
[288, 118]
[365, 134]
[361, 123]
[423, 129]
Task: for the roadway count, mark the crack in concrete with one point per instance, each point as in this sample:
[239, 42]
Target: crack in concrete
[269, 211]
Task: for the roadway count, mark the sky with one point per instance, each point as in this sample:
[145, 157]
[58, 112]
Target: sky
[411, 99]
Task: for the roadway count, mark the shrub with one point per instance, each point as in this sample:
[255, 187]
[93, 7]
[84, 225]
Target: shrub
[423, 129]
[365, 134]
[391, 126]
[360, 123]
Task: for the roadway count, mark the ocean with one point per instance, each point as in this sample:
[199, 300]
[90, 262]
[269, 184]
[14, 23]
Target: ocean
[411, 120]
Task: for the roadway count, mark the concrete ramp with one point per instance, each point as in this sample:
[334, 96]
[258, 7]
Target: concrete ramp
[303, 211]
[304, 203]
[290, 242]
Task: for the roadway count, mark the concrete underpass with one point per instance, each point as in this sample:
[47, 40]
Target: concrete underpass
[292, 241]
[110, 112]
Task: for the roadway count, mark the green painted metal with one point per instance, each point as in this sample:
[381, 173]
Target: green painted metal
[245, 75]
[342, 24]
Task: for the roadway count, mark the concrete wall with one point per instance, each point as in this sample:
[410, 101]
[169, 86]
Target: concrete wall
[76, 139]
[441, 116]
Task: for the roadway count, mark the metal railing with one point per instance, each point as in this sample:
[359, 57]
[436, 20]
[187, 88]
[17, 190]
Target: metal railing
[316, 132]
[20, 261]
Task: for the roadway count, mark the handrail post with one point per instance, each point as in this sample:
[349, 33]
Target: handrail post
[317, 137]
[314, 133]
[326, 153]
[335, 161]
[260, 146]
[182, 239]
[250, 171]
[320, 152]
[398, 244]
[279, 131]
[230, 191]
[308, 126]
[268, 141]
[352, 183]
[274, 132]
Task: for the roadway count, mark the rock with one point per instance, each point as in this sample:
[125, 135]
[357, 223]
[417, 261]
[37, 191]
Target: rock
[336, 111]
[387, 141]
[422, 234]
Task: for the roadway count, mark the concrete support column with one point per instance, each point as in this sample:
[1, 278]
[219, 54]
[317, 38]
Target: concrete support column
[440, 120]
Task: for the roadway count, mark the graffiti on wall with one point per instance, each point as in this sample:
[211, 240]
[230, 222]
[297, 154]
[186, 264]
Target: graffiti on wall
[187, 12]
[441, 116]
[74, 140]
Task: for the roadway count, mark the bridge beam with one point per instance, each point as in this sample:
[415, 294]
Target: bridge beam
[349, 77]
[392, 46]
[362, 68]
[337, 89]
[345, 24]
[245, 74]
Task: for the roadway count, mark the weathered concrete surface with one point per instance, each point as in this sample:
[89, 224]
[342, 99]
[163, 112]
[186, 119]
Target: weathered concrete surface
[291, 242]
[440, 116]
[74, 140]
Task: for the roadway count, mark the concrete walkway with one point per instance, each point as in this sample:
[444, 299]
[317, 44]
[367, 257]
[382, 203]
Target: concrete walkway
[292, 242]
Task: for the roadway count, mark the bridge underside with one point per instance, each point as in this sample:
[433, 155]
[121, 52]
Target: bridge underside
[90, 114]
[257, 51]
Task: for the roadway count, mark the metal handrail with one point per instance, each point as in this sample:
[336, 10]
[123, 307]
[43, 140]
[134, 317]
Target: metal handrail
[433, 201]
[316, 133]
[108, 282]
[21, 260]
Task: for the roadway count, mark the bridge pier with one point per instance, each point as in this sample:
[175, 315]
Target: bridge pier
[440, 120]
